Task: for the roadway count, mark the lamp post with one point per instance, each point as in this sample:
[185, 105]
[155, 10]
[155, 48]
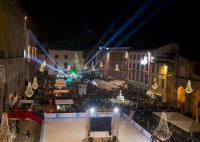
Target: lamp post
[101, 65]
[117, 69]
[108, 57]
[126, 72]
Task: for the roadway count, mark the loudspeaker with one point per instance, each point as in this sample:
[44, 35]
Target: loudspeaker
[114, 138]
[90, 139]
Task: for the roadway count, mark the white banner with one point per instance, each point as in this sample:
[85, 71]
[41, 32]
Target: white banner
[61, 115]
[50, 115]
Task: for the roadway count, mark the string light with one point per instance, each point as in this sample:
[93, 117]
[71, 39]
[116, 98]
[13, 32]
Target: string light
[5, 134]
[116, 68]
[29, 91]
[35, 84]
[189, 88]
[155, 85]
[162, 131]
[101, 64]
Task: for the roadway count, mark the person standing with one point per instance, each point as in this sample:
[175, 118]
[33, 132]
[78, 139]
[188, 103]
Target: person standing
[28, 133]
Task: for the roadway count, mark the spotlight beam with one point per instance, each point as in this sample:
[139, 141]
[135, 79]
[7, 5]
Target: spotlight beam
[140, 25]
[125, 26]
[112, 26]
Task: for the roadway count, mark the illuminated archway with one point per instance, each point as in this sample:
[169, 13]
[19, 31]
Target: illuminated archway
[180, 103]
[195, 99]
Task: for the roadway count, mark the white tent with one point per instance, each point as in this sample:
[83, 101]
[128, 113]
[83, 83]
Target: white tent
[68, 101]
[181, 121]
[26, 102]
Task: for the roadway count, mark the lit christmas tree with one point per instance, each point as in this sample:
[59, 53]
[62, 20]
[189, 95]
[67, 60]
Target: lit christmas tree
[5, 134]
[75, 67]
[162, 131]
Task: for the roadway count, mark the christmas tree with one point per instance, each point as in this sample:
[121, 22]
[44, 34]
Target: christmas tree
[75, 67]
[5, 134]
[162, 131]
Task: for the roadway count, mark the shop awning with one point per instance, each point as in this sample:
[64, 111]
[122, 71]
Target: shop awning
[68, 101]
[59, 85]
[26, 101]
[158, 94]
[60, 91]
[149, 92]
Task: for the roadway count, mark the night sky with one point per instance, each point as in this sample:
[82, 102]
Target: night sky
[124, 21]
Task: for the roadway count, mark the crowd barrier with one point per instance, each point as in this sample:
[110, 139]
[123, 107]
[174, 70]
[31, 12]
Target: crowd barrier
[24, 115]
[76, 115]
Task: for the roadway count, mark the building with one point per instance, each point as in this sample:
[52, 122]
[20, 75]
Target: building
[160, 66]
[60, 60]
[12, 45]
[31, 56]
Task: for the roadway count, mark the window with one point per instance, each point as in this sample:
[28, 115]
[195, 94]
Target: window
[134, 56]
[152, 68]
[141, 77]
[138, 56]
[65, 65]
[56, 56]
[146, 79]
[163, 83]
[147, 67]
[66, 56]
[130, 56]
[133, 75]
[157, 69]
[129, 65]
[133, 65]
[142, 67]
[129, 75]
[56, 65]
[137, 76]
[2, 54]
[182, 71]
[138, 66]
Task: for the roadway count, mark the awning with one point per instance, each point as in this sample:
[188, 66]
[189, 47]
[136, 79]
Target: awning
[26, 101]
[158, 94]
[149, 92]
[59, 85]
[60, 91]
[69, 101]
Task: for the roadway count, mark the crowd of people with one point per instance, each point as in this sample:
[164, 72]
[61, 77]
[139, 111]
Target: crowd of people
[142, 106]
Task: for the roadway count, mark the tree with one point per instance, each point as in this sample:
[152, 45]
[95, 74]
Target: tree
[162, 131]
[5, 134]
[75, 67]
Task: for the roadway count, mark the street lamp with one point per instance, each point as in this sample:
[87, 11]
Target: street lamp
[108, 57]
[116, 68]
[101, 65]
[126, 57]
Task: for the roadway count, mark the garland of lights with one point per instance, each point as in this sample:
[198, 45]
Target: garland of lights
[5, 134]
[189, 87]
[162, 131]
[35, 84]
[29, 91]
